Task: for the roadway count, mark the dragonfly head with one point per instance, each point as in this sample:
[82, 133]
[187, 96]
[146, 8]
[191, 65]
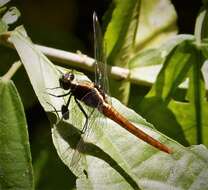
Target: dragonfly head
[65, 81]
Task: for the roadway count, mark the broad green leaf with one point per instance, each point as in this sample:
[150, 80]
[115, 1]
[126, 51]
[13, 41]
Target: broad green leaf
[156, 56]
[146, 65]
[154, 107]
[157, 23]
[15, 159]
[120, 38]
[189, 132]
[120, 33]
[173, 72]
[112, 158]
[169, 115]
[197, 97]
[136, 25]
[148, 22]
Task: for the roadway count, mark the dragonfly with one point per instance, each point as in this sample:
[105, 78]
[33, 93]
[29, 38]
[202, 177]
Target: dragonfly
[93, 94]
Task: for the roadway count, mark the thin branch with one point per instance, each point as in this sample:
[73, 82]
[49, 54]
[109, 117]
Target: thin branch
[79, 60]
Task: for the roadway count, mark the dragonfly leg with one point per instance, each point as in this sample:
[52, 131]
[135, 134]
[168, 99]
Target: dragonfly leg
[65, 109]
[62, 95]
[56, 111]
[85, 114]
[53, 88]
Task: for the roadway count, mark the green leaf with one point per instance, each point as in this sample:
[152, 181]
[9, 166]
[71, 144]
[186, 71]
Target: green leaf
[119, 38]
[136, 25]
[197, 95]
[201, 31]
[146, 65]
[11, 15]
[15, 159]
[189, 132]
[140, 22]
[112, 158]
[204, 47]
[196, 109]
[154, 106]
[157, 24]
[3, 27]
[173, 72]
[156, 56]
[121, 30]
[169, 114]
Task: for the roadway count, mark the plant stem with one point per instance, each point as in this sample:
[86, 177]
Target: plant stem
[79, 60]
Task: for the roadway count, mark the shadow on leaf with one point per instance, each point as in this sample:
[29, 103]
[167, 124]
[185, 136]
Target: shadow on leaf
[72, 136]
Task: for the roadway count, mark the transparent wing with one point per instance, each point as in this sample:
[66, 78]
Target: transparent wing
[75, 139]
[101, 78]
[82, 146]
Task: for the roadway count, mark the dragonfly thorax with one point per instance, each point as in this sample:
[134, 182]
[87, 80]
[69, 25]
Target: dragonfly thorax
[65, 81]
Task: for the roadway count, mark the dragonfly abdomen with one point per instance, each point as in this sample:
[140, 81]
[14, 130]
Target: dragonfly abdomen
[114, 115]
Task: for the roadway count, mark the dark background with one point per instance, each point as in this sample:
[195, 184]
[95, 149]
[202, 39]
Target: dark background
[67, 25]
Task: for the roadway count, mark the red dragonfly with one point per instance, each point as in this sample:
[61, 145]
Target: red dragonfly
[94, 94]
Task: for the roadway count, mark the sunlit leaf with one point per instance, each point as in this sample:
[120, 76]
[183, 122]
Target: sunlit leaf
[184, 121]
[157, 23]
[119, 38]
[146, 65]
[154, 106]
[197, 97]
[188, 134]
[174, 71]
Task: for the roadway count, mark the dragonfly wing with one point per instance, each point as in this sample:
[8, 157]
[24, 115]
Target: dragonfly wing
[81, 149]
[83, 145]
[71, 143]
[101, 78]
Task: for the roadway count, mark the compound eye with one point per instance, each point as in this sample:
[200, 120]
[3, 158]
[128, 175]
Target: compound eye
[61, 81]
[71, 76]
